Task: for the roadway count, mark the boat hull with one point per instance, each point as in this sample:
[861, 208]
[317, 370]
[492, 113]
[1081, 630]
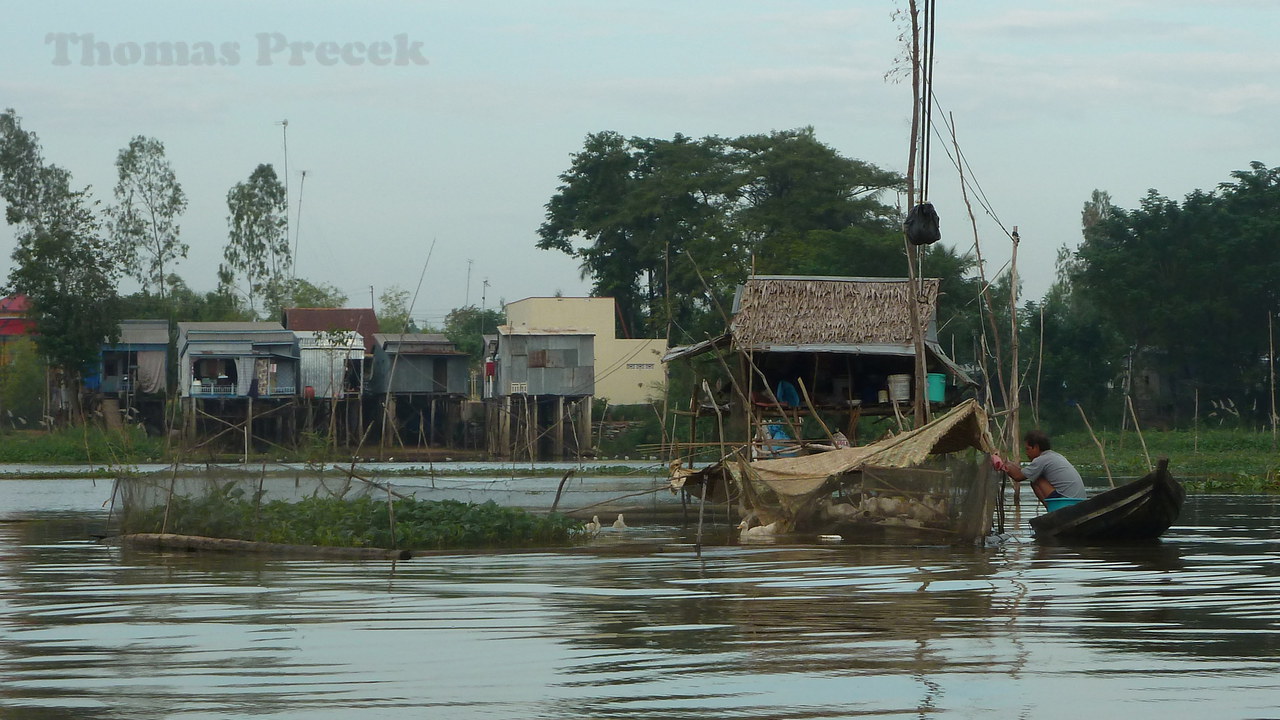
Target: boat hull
[1141, 510]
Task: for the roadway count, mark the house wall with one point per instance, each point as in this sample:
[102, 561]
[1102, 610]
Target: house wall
[625, 371]
[546, 365]
[418, 373]
[630, 372]
[324, 368]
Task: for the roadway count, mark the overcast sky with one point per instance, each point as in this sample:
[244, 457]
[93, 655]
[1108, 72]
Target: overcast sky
[448, 123]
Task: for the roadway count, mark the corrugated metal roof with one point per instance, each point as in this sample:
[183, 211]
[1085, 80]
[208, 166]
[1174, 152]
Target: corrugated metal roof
[308, 339]
[362, 320]
[416, 344]
[252, 332]
[144, 332]
[509, 330]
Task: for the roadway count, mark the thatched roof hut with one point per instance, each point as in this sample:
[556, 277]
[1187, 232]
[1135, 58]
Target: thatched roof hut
[771, 311]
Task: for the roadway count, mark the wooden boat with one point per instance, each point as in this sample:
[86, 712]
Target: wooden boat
[1141, 510]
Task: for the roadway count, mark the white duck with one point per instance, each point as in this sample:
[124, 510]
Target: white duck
[619, 524]
[757, 531]
[593, 527]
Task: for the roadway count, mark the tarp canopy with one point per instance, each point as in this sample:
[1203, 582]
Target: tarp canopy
[962, 428]
[918, 472]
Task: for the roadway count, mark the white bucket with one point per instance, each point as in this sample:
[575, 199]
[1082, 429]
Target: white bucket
[899, 388]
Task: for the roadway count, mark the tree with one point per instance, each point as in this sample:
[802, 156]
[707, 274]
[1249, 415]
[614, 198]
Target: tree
[300, 292]
[393, 313]
[62, 263]
[1188, 286]
[143, 224]
[185, 303]
[669, 228]
[466, 326]
[21, 385]
[258, 247]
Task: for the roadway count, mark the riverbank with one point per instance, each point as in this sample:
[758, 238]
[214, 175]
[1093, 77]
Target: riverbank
[1216, 460]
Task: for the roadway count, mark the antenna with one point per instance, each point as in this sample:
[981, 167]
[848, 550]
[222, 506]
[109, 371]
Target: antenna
[297, 230]
[466, 298]
[284, 131]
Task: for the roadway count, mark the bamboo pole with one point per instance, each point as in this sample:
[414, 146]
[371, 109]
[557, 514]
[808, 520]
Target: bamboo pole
[1035, 403]
[1014, 398]
[804, 392]
[1129, 401]
[1195, 426]
[1101, 451]
[1271, 361]
[921, 411]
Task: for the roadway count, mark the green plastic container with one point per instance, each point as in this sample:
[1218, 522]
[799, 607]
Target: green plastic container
[937, 387]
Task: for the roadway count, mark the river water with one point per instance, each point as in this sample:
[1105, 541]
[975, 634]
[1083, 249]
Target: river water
[636, 625]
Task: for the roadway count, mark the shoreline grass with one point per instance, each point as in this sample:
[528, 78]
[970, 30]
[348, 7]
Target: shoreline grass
[1218, 460]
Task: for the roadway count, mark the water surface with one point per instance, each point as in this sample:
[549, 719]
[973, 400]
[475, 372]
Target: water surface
[636, 625]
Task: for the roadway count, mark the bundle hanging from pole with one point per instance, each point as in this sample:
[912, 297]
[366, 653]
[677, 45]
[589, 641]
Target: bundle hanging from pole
[922, 225]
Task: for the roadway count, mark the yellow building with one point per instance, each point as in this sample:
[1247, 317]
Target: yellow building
[627, 372]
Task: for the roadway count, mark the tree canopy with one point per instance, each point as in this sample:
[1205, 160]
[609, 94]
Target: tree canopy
[62, 262]
[670, 228]
[144, 222]
[1189, 285]
[258, 243]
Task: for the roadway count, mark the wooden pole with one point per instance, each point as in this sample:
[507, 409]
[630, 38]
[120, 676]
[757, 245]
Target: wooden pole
[1271, 361]
[1013, 399]
[248, 425]
[1129, 401]
[809, 403]
[1101, 451]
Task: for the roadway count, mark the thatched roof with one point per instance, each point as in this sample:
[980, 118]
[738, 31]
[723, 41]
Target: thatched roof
[774, 310]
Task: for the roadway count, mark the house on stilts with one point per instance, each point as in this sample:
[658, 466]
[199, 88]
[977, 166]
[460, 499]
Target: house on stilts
[419, 385]
[239, 379]
[336, 349]
[132, 378]
[539, 387]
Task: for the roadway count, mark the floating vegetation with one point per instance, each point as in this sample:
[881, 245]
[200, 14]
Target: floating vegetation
[228, 512]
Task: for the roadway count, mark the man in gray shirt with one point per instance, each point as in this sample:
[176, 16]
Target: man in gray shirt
[1051, 474]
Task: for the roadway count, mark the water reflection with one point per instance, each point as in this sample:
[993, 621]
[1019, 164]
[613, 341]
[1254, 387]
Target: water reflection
[638, 626]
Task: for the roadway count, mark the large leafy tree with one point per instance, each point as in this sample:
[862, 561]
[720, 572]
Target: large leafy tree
[1189, 285]
[62, 262]
[669, 227]
[144, 221]
[258, 244]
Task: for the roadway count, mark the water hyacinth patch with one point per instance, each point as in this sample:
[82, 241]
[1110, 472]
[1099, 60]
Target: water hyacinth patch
[362, 522]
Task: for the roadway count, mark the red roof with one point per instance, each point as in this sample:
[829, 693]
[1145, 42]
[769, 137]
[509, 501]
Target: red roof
[13, 316]
[361, 320]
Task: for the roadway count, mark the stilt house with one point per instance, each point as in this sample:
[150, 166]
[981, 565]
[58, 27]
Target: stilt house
[540, 384]
[806, 358]
[133, 374]
[421, 381]
[225, 367]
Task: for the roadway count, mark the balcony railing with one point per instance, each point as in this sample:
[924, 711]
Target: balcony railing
[229, 390]
[214, 389]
